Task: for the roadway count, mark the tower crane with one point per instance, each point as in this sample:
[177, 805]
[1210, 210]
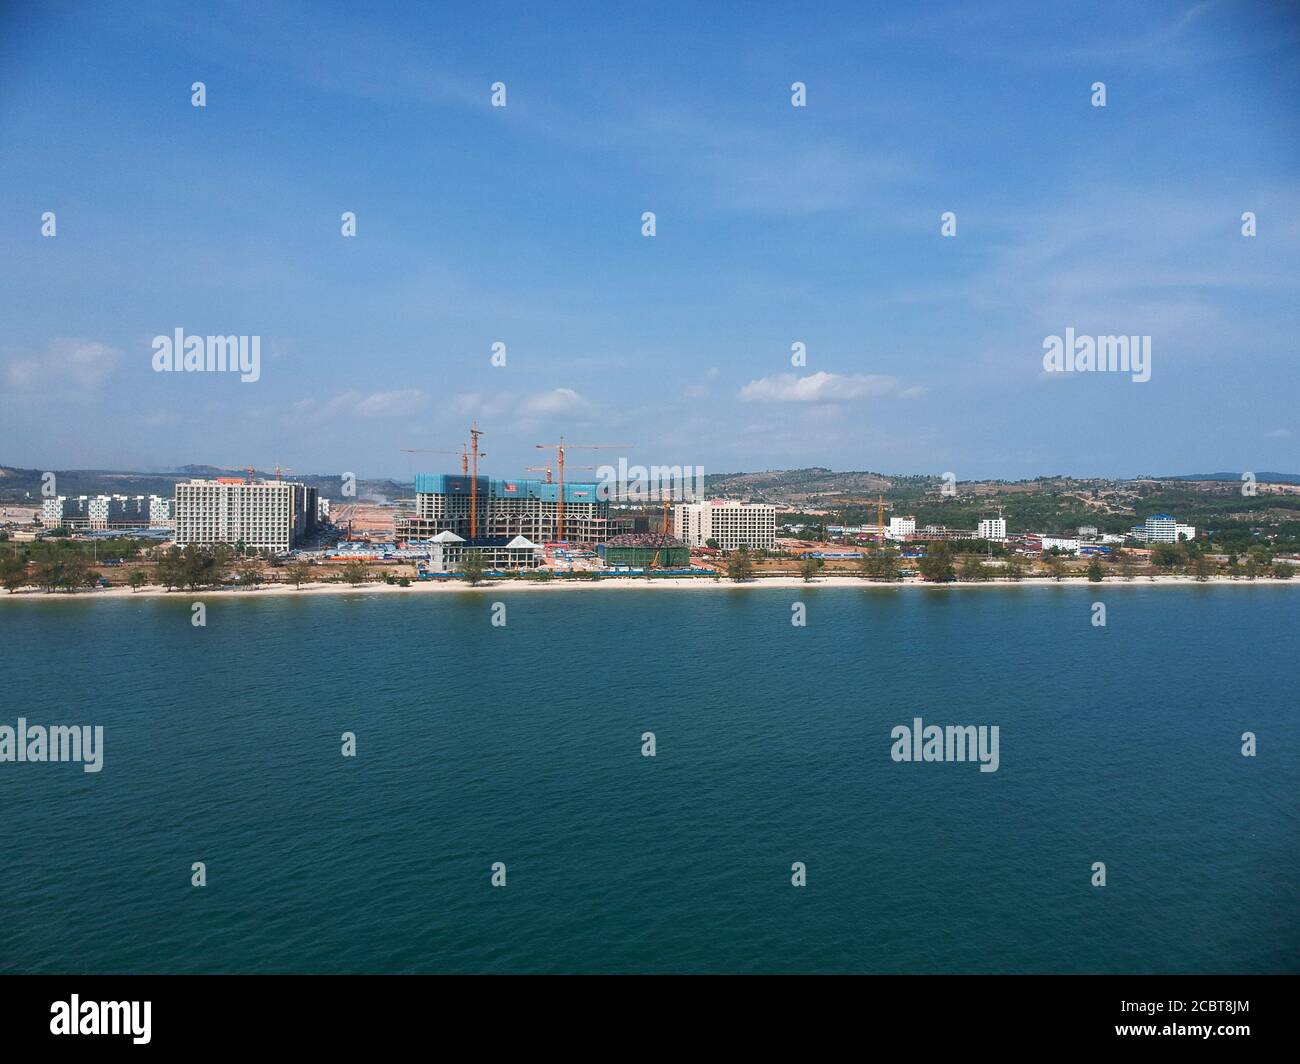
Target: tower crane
[560, 449]
[462, 454]
[474, 433]
[547, 470]
[663, 528]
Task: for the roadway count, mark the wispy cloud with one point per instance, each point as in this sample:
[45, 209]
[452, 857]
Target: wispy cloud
[358, 404]
[823, 388]
[66, 366]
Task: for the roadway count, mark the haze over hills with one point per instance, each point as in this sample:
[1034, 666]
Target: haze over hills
[1263, 478]
[24, 485]
[812, 486]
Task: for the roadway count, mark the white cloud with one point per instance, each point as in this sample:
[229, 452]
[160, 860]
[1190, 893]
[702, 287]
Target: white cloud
[391, 404]
[556, 401]
[66, 364]
[822, 388]
[1278, 434]
[501, 404]
[376, 404]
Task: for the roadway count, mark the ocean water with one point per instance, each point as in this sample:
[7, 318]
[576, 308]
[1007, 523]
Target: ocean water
[522, 744]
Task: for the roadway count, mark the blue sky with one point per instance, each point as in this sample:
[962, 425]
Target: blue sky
[775, 224]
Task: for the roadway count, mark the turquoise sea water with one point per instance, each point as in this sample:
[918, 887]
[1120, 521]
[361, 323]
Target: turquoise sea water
[522, 744]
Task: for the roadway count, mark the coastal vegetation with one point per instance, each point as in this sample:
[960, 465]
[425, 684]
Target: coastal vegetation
[937, 566]
[472, 568]
[740, 566]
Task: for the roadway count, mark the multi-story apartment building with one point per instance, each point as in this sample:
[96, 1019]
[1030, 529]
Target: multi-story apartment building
[266, 514]
[105, 511]
[994, 528]
[901, 527]
[729, 524]
[506, 508]
[1161, 528]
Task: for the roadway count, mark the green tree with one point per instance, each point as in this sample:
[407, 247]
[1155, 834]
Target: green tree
[936, 566]
[973, 569]
[47, 575]
[808, 568]
[1015, 567]
[881, 564]
[297, 573]
[198, 567]
[1203, 568]
[170, 570]
[137, 579]
[1095, 573]
[355, 573]
[1283, 570]
[1055, 566]
[13, 572]
[472, 567]
[1167, 555]
[739, 565]
[248, 573]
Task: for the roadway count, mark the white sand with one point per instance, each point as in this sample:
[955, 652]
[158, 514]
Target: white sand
[608, 582]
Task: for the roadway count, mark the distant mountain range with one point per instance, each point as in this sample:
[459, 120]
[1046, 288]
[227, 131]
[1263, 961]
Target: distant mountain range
[24, 485]
[1263, 478]
[813, 486]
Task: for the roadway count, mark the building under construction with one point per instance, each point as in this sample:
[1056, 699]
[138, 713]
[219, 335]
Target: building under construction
[506, 509]
[646, 549]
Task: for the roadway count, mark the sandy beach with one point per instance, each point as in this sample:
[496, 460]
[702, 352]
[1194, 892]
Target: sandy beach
[615, 582]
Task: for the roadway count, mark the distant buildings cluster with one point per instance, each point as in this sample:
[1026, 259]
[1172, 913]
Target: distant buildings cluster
[97, 512]
[510, 523]
[1159, 528]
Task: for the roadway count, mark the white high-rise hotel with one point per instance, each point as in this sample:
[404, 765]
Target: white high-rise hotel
[994, 528]
[267, 514]
[729, 524]
[901, 527]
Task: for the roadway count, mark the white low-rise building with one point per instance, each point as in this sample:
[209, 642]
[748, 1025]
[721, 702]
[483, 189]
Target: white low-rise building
[901, 527]
[446, 552]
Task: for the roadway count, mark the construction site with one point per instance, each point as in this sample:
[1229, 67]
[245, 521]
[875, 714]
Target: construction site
[538, 522]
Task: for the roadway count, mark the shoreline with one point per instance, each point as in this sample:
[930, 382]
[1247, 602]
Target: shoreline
[155, 591]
